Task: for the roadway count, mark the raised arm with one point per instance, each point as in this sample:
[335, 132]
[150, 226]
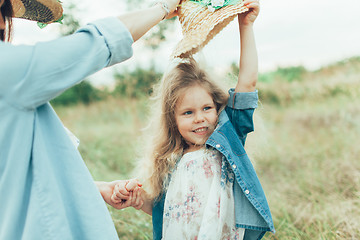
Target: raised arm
[248, 72]
[139, 22]
[33, 75]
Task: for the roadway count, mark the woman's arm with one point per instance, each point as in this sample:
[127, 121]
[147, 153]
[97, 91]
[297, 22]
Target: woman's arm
[248, 66]
[33, 75]
[139, 22]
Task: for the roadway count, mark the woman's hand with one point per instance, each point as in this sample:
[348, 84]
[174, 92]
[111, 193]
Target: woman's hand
[128, 194]
[121, 193]
[106, 189]
[173, 4]
[249, 17]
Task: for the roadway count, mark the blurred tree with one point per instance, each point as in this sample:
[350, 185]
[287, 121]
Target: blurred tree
[157, 34]
[140, 81]
[83, 92]
[136, 83]
[129, 84]
[70, 23]
[290, 74]
[234, 68]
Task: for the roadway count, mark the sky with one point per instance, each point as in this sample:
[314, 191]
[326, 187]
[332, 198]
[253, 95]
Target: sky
[288, 33]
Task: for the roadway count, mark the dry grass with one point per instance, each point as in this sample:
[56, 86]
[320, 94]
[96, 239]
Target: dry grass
[305, 148]
[310, 165]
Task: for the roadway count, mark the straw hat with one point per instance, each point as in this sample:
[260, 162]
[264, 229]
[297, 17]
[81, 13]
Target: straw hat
[45, 11]
[200, 23]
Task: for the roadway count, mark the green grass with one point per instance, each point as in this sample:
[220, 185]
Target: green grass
[305, 150]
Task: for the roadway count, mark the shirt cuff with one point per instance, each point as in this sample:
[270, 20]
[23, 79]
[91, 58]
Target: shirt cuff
[243, 100]
[117, 37]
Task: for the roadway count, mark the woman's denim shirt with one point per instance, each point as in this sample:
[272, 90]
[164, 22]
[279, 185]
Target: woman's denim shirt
[251, 208]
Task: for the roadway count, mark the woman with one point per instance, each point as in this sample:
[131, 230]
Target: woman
[46, 191]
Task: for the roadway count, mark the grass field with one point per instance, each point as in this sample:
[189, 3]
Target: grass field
[305, 149]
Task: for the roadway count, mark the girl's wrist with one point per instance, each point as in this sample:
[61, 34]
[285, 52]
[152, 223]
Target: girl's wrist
[243, 26]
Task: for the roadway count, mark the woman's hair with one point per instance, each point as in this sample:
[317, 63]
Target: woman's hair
[166, 145]
[7, 13]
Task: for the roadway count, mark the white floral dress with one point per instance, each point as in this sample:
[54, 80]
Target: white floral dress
[199, 203]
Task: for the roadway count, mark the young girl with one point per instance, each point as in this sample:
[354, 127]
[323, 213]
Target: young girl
[202, 184]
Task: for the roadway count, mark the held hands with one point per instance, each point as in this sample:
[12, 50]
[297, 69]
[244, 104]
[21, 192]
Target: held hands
[121, 193]
[249, 17]
[127, 194]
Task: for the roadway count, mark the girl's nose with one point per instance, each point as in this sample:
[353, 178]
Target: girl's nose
[199, 118]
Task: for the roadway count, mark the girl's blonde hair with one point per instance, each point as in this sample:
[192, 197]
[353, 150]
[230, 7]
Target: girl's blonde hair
[166, 145]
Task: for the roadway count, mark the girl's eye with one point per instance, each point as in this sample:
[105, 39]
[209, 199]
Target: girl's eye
[207, 108]
[188, 113]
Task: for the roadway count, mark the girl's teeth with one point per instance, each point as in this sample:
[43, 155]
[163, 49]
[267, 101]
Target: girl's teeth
[200, 130]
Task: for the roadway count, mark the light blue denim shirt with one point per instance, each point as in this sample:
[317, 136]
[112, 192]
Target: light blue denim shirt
[251, 208]
[46, 191]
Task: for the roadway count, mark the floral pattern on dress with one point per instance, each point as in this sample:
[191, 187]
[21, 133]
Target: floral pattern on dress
[190, 209]
[199, 203]
[207, 169]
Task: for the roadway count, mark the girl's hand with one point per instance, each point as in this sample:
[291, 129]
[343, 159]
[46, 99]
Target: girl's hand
[248, 18]
[137, 198]
[127, 194]
[122, 190]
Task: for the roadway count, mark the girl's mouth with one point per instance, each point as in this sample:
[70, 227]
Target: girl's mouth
[200, 130]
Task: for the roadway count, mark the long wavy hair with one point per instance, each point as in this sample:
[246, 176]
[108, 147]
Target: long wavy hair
[7, 13]
[165, 144]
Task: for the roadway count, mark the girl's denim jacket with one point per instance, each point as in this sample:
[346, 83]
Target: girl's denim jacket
[251, 208]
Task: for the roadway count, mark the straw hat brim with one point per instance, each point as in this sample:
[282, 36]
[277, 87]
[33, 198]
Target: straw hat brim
[45, 11]
[199, 25]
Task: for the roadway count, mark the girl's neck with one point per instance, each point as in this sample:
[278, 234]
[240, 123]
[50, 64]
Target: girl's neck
[192, 148]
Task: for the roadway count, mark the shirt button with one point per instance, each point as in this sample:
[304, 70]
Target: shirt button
[234, 166]
[217, 146]
[247, 191]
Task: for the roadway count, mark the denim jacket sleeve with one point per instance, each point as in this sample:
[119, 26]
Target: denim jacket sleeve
[240, 109]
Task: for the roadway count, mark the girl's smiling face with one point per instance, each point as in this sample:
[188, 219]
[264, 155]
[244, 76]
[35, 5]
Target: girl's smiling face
[196, 116]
